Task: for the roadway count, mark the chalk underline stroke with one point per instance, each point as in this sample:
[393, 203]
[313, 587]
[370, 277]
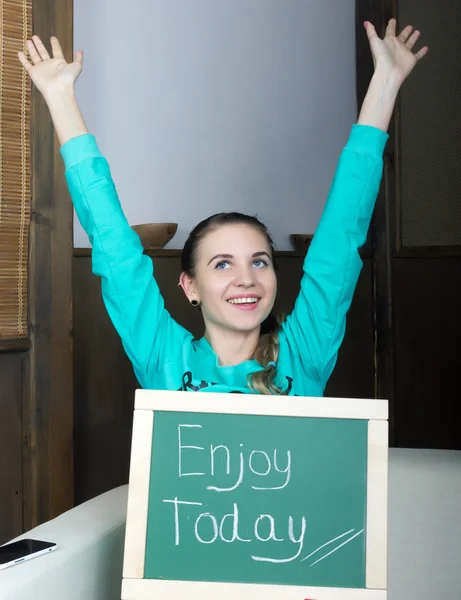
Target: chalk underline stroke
[334, 549]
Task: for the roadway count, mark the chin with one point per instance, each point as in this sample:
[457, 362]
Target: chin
[247, 323]
[238, 321]
[246, 328]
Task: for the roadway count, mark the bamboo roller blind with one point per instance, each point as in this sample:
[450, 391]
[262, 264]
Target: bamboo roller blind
[15, 169]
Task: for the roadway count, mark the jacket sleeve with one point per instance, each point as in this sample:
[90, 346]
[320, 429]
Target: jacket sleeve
[132, 298]
[315, 329]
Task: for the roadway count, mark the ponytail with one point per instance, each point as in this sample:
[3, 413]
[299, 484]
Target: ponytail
[267, 353]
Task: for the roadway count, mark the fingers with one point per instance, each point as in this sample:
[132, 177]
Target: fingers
[42, 51]
[24, 62]
[412, 40]
[408, 37]
[419, 55]
[390, 29]
[38, 52]
[79, 57]
[371, 31]
[34, 56]
[405, 34]
[56, 48]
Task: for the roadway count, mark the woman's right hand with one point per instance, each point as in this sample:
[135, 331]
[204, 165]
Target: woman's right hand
[54, 75]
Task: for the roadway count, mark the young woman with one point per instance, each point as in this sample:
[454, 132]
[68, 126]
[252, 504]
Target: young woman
[228, 260]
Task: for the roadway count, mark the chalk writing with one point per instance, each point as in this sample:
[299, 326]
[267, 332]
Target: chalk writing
[266, 465]
[261, 469]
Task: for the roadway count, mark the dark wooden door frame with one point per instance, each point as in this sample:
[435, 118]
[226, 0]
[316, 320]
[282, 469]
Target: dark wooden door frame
[47, 366]
[383, 225]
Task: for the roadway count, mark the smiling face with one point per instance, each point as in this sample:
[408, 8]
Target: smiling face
[233, 278]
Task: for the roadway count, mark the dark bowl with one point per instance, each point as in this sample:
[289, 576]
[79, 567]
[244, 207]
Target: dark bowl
[155, 235]
[300, 241]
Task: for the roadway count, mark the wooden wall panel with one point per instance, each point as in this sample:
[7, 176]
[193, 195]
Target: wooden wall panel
[10, 446]
[36, 386]
[427, 310]
[48, 385]
[105, 383]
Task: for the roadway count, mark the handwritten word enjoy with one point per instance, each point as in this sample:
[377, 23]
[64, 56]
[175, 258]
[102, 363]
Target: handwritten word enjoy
[258, 462]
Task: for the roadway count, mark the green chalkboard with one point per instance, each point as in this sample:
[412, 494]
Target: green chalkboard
[257, 499]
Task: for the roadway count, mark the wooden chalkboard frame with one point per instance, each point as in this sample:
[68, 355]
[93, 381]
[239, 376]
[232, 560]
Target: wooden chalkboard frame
[148, 402]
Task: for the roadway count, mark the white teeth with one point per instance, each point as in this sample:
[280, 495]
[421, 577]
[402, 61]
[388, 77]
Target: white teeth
[243, 300]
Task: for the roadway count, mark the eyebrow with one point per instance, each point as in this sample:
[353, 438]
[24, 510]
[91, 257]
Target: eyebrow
[255, 255]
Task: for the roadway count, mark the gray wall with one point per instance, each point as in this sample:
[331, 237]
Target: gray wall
[209, 105]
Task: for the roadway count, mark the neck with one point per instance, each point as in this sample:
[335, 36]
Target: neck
[232, 347]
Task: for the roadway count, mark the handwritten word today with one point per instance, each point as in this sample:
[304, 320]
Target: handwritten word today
[218, 530]
[209, 528]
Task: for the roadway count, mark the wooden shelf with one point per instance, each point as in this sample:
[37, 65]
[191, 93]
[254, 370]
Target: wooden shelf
[14, 345]
[86, 252]
[173, 253]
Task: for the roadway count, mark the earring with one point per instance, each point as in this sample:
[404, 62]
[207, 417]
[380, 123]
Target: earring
[194, 302]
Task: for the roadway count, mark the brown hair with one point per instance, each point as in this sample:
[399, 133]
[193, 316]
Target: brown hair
[267, 350]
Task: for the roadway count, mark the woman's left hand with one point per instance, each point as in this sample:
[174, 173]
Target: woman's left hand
[393, 54]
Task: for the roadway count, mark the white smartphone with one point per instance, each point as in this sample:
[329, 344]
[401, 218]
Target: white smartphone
[17, 552]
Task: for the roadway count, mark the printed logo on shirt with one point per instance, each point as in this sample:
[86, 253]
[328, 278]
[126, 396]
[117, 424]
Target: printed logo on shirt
[189, 384]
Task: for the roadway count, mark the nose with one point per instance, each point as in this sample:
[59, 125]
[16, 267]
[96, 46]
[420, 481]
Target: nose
[245, 277]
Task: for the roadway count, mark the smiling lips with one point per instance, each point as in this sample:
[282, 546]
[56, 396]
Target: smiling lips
[244, 302]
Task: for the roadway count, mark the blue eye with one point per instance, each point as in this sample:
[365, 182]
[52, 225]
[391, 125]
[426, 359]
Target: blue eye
[222, 265]
[259, 263]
